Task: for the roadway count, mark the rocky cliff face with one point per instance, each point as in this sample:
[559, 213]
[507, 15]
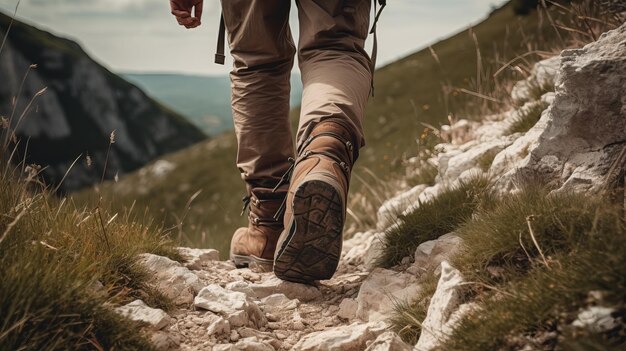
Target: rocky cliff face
[83, 105]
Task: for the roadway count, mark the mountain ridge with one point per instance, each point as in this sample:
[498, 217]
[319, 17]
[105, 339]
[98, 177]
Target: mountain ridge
[83, 105]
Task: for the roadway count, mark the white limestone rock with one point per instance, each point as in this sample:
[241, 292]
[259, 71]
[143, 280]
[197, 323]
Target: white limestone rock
[171, 278]
[459, 132]
[347, 309]
[584, 129]
[140, 312]
[273, 285]
[248, 344]
[389, 341]
[232, 305]
[390, 210]
[164, 341]
[444, 302]
[430, 254]
[597, 319]
[344, 338]
[380, 290]
[196, 258]
[219, 300]
[493, 127]
[543, 74]
[238, 318]
[452, 166]
[280, 302]
[217, 325]
[427, 195]
[362, 249]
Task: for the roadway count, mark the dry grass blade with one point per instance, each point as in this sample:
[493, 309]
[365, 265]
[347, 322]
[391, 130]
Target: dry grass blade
[6, 35]
[16, 219]
[9, 133]
[66, 173]
[379, 198]
[478, 95]
[520, 57]
[106, 160]
[556, 30]
[102, 227]
[529, 219]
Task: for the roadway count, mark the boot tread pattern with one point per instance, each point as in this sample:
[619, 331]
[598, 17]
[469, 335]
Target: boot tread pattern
[313, 248]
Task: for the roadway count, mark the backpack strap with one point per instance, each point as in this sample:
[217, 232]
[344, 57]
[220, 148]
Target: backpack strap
[221, 39]
[377, 12]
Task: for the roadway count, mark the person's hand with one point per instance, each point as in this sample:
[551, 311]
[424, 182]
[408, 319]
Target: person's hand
[182, 10]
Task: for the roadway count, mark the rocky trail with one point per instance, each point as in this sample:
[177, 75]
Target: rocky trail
[219, 307]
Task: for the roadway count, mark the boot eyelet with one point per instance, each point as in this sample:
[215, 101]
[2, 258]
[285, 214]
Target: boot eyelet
[345, 167]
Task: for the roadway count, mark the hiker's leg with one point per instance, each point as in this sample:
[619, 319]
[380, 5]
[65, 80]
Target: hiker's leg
[336, 71]
[262, 48]
[336, 75]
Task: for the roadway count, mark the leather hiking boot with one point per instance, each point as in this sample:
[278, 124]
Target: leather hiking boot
[310, 246]
[254, 246]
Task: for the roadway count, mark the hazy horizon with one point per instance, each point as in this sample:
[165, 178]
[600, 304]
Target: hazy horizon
[134, 36]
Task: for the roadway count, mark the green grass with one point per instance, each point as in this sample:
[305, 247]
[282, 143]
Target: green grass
[581, 240]
[408, 316]
[486, 160]
[535, 91]
[526, 118]
[432, 219]
[51, 254]
[527, 289]
[210, 219]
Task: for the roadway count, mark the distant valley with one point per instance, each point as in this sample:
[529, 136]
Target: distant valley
[204, 100]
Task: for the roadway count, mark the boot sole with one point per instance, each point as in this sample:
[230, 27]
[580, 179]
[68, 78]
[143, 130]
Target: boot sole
[312, 249]
[263, 264]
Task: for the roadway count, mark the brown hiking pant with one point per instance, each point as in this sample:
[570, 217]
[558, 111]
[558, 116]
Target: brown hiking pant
[336, 76]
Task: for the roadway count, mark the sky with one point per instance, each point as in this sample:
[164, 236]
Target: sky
[142, 36]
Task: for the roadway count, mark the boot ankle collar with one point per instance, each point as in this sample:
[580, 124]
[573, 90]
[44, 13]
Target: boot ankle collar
[334, 130]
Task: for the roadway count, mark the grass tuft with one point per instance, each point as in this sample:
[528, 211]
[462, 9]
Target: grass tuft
[52, 255]
[426, 173]
[408, 316]
[432, 219]
[527, 118]
[530, 286]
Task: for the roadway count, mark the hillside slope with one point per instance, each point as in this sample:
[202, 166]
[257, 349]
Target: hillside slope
[407, 92]
[83, 104]
[474, 262]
